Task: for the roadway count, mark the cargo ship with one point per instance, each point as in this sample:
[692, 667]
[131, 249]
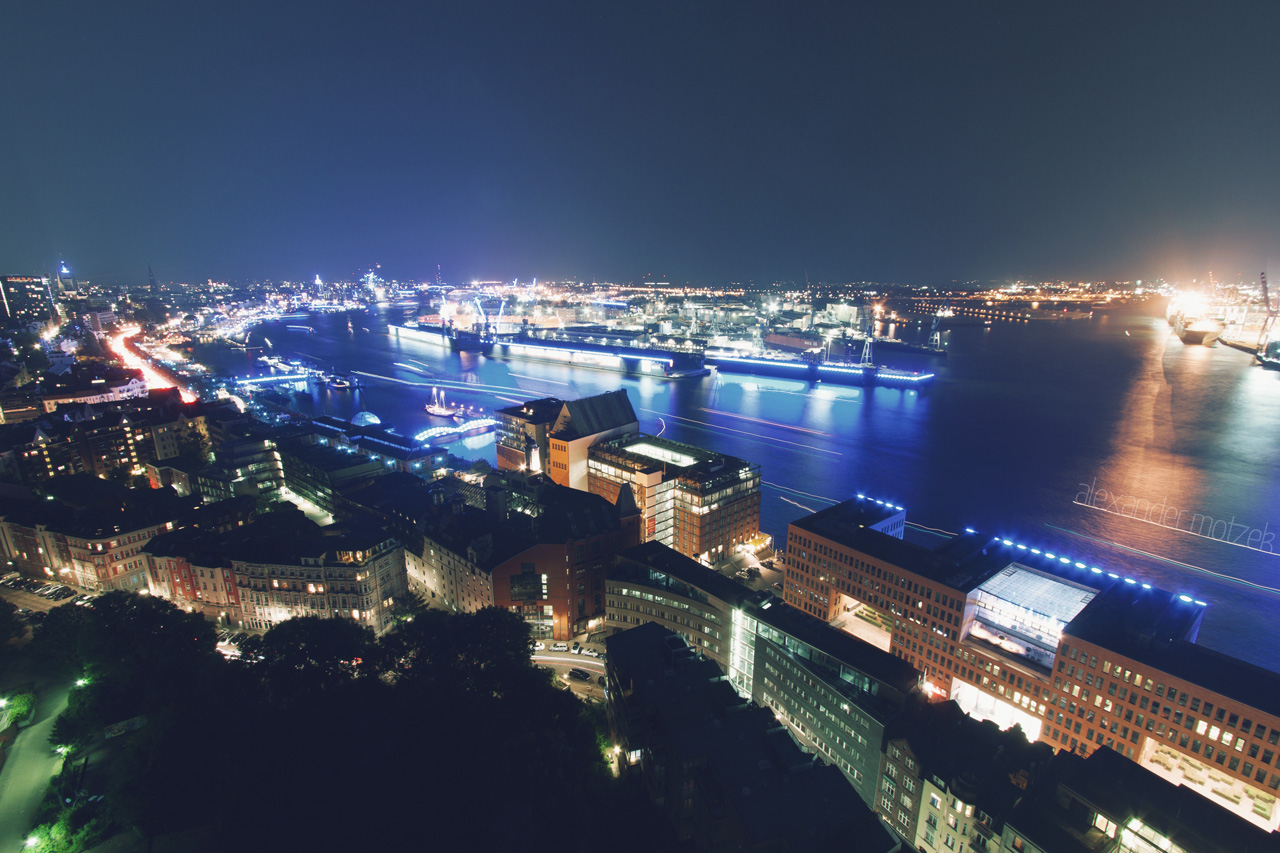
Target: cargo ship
[1196, 330]
[840, 373]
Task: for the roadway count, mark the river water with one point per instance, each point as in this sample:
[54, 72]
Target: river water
[1106, 440]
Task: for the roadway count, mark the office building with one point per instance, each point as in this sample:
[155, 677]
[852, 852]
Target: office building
[553, 436]
[1108, 804]
[1079, 656]
[834, 692]
[705, 505]
[26, 299]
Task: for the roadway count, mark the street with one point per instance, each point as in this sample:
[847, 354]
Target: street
[26, 773]
[562, 662]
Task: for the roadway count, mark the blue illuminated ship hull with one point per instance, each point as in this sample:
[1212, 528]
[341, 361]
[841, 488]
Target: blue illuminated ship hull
[834, 372]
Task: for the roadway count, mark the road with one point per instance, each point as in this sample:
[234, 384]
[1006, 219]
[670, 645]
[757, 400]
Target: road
[28, 769]
[562, 662]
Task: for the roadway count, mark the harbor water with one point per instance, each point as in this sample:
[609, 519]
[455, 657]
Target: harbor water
[1106, 441]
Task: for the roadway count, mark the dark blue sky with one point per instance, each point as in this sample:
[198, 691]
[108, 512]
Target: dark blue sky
[698, 141]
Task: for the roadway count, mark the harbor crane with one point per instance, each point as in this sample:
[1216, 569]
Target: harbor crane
[1265, 334]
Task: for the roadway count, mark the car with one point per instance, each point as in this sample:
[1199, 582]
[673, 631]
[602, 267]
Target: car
[591, 653]
[577, 649]
[579, 674]
[239, 638]
[537, 646]
[63, 594]
[560, 647]
[44, 590]
[602, 681]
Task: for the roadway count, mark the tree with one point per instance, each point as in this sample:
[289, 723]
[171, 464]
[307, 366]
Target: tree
[309, 655]
[408, 605]
[11, 627]
[60, 641]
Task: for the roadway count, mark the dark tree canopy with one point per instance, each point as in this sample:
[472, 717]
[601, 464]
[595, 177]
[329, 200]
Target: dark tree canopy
[323, 737]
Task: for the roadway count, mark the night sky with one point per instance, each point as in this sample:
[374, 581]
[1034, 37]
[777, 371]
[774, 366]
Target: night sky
[709, 142]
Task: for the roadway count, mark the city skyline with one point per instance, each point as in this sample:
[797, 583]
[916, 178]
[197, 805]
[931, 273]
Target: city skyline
[708, 143]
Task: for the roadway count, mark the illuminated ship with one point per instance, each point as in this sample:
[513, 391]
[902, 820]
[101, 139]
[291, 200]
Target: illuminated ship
[1269, 355]
[438, 407]
[1195, 330]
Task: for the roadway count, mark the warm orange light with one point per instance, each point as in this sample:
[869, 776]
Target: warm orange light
[154, 380]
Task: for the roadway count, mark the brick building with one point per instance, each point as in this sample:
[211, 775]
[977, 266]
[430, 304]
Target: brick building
[1078, 656]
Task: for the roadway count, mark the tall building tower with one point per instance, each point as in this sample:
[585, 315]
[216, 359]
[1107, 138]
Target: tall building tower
[26, 299]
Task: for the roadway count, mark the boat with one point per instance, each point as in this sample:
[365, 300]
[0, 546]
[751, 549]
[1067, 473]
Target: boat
[307, 329]
[1269, 355]
[438, 407]
[1196, 330]
[339, 382]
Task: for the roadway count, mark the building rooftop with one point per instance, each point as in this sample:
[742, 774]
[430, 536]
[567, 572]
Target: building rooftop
[1159, 628]
[596, 414]
[1057, 814]
[543, 411]
[974, 760]
[634, 564]
[694, 467]
[872, 661]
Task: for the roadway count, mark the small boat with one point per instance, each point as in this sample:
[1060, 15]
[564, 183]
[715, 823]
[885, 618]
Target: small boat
[339, 383]
[1269, 355]
[438, 407]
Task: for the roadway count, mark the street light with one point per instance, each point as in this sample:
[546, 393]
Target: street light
[81, 682]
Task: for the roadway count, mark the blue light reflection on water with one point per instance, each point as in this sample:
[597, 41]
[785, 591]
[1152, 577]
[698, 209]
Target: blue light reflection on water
[1022, 419]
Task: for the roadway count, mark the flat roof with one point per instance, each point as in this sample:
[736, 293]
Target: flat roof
[872, 661]
[1038, 592]
[1158, 628]
[662, 558]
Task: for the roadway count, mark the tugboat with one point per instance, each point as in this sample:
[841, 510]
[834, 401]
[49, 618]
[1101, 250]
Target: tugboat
[1269, 355]
[438, 407]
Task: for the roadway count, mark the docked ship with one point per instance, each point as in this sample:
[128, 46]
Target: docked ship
[1197, 330]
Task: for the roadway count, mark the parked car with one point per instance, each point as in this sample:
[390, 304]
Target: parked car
[560, 647]
[579, 674]
[577, 649]
[591, 653]
[537, 646]
[602, 681]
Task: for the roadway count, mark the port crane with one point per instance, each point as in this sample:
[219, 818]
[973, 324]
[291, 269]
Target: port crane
[1265, 334]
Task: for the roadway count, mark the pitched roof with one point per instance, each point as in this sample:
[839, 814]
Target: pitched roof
[593, 415]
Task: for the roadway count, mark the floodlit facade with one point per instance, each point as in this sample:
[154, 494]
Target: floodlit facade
[704, 505]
